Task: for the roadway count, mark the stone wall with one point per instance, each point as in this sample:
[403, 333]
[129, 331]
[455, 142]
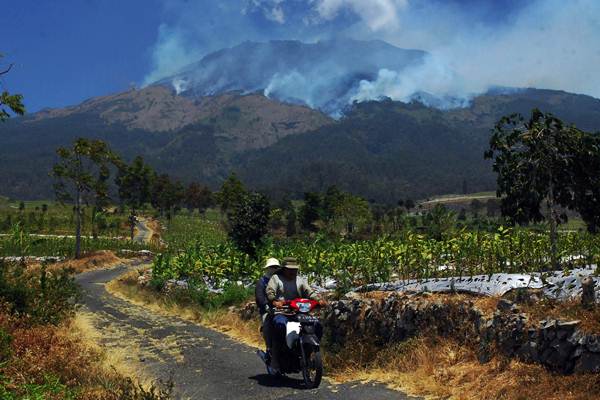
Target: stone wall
[559, 345]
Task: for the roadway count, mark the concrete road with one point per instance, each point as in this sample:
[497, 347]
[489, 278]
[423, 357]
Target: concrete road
[203, 363]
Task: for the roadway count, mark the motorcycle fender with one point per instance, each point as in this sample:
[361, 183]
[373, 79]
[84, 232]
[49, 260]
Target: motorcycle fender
[292, 333]
[310, 340]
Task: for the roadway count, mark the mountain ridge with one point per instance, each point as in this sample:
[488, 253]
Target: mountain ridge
[321, 75]
[382, 150]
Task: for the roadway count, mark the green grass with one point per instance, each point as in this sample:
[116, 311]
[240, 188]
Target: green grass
[62, 246]
[573, 224]
[57, 220]
[186, 228]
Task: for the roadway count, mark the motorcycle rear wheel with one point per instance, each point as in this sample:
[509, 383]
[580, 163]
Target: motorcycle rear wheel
[312, 370]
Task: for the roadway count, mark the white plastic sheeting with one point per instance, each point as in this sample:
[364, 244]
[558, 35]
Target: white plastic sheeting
[557, 285]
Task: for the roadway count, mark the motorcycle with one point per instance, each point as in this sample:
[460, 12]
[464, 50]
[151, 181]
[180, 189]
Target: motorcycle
[301, 352]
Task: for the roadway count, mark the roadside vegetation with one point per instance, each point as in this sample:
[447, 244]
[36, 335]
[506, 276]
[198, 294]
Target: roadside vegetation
[42, 354]
[19, 243]
[52, 218]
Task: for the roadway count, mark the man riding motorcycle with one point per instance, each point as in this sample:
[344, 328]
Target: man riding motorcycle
[286, 285]
[271, 266]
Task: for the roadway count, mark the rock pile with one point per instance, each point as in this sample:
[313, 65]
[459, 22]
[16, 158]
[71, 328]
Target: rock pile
[558, 345]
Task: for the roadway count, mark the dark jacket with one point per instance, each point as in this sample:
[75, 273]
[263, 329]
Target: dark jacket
[260, 293]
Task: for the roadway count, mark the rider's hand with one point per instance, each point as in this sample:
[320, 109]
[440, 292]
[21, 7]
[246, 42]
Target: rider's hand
[278, 303]
[322, 302]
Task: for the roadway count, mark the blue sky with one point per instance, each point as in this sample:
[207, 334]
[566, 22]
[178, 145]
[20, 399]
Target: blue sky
[68, 50]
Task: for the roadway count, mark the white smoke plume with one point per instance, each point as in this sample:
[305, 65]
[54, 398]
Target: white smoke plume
[170, 53]
[551, 44]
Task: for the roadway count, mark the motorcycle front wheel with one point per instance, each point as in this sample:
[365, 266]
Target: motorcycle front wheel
[312, 370]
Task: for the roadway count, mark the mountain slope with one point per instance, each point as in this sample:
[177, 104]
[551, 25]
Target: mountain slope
[322, 75]
[193, 138]
[381, 150]
[391, 150]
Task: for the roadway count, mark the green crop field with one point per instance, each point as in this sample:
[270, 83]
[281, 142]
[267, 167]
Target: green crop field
[186, 228]
[48, 217]
[409, 255]
[61, 246]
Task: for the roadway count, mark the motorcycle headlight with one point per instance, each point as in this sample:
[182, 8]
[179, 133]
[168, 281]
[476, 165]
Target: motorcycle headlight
[304, 307]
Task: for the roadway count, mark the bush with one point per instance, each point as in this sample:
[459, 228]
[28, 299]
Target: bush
[44, 297]
[52, 388]
[232, 294]
[5, 345]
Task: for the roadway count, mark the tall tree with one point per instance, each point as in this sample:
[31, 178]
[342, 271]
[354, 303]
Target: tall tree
[78, 174]
[10, 102]
[331, 201]
[352, 211]
[166, 195]
[439, 221]
[476, 206]
[311, 210]
[290, 218]
[535, 162]
[248, 222]
[232, 192]
[198, 196]
[587, 181]
[134, 182]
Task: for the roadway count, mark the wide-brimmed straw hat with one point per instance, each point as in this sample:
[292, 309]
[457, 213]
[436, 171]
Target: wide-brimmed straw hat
[272, 263]
[290, 263]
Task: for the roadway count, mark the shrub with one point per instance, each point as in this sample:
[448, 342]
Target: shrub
[42, 296]
[5, 345]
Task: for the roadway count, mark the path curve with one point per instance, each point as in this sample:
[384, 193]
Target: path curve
[143, 233]
[203, 363]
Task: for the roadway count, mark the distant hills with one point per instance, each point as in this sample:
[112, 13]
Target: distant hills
[391, 150]
[193, 139]
[382, 150]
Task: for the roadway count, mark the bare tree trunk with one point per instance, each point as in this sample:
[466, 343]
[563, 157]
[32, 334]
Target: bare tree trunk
[132, 222]
[553, 229]
[93, 222]
[78, 225]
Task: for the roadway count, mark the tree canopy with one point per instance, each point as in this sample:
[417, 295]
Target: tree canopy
[543, 165]
[10, 102]
[80, 174]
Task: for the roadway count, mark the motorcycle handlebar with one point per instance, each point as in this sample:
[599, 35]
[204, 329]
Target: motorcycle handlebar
[288, 304]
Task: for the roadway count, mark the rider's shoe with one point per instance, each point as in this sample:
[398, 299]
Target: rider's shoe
[263, 356]
[273, 371]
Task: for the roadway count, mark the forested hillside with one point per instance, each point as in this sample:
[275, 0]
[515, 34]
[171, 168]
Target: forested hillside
[381, 150]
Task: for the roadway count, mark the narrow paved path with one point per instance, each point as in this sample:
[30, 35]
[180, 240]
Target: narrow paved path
[204, 364]
[143, 232]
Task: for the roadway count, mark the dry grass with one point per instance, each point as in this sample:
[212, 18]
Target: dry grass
[92, 261]
[63, 352]
[232, 325]
[445, 370]
[430, 367]
[570, 310]
[110, 359]
[486, 304]
[222, 320]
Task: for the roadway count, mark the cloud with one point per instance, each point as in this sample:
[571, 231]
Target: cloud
[271, 9]
[377, 14]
